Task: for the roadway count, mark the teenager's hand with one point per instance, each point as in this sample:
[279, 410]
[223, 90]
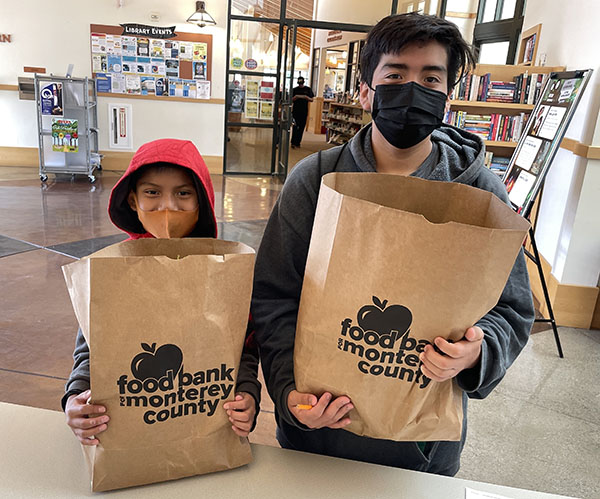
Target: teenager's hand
[241, 412]
[85, 420]
[463, 354]
[325, 413]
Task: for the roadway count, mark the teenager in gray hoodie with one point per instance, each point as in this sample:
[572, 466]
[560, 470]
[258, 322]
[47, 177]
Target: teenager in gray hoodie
[408, 67]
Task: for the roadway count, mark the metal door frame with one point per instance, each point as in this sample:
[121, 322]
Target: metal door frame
[278, 168]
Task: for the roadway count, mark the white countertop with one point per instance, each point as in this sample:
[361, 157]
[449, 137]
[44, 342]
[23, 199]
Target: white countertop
[40, 457]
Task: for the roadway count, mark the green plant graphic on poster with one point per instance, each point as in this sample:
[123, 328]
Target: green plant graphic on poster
[64, 135]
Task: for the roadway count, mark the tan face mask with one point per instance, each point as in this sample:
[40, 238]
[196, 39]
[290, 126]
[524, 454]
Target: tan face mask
[167, 224]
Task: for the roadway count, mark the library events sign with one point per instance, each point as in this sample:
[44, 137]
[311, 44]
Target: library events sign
[151, 31]
[541, 139]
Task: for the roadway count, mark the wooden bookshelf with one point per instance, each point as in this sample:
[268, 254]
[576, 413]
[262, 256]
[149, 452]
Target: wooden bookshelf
[344, 121]
[498, 106]
[501, 72]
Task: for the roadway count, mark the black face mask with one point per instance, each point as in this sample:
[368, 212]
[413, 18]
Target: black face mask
[408, 113]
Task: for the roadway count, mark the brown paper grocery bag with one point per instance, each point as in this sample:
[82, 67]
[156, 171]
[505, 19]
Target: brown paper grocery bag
[165, 320]
[393, 263]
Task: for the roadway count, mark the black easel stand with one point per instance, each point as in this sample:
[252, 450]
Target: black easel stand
[535, 258]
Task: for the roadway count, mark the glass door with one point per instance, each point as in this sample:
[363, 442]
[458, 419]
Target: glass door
[287, 79]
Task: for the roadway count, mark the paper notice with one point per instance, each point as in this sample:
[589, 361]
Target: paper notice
[128, 45]
[528, 152]
[117, 84]
[552, 122]
[522, 187]
[186, 51]
[478, 494]
[203, 89]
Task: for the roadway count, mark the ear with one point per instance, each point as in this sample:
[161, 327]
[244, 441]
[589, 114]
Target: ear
[447, 108]
[363, 96]
[131, 201]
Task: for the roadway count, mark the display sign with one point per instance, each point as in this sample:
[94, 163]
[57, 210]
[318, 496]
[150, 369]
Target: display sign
[251, 64]
[237, 62]
[152, 31]
[541, 139]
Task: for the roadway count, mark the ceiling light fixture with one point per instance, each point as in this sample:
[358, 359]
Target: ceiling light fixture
[201, 17]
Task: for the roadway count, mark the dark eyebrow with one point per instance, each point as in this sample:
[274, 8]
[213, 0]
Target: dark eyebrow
[393, 65]
[150, 184]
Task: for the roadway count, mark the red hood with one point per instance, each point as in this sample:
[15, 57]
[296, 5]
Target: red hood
[178, 152]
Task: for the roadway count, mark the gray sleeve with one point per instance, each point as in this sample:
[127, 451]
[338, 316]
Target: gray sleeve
[507, 326]
[278, 277]
[79, 379]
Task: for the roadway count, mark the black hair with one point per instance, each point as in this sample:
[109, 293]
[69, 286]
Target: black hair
[393, 33]
[300, 78]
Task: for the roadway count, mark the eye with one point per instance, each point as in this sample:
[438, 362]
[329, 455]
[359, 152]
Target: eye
[185, 193]
[151, 192]
[432, 79]
[393, 76]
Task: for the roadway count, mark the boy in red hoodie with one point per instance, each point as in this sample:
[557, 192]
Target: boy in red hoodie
[166, 192]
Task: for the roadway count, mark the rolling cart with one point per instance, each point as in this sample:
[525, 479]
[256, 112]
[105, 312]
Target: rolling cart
[67, 120]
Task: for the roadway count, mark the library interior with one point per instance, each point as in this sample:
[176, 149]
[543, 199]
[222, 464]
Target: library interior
[317, 166]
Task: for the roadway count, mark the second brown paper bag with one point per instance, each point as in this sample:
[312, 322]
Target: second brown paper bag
[393, 263]
[165, 321]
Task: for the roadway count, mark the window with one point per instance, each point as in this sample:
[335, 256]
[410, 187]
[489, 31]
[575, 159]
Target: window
[497, 30]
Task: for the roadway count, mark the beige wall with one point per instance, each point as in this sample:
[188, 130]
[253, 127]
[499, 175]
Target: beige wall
[54, 34]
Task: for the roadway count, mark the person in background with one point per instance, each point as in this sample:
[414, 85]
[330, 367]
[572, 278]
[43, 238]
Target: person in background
[301, 96]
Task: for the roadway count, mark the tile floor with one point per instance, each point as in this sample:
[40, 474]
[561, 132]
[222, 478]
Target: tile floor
[540, 429]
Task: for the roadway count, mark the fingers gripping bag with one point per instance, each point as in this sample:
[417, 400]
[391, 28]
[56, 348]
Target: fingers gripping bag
[393, 263]
[165, 321]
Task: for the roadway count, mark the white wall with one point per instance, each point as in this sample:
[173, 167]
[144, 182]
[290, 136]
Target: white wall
[568, 228]
[54, 34]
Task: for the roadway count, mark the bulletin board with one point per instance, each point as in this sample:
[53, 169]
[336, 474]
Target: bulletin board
[176, 65]
[545, 129]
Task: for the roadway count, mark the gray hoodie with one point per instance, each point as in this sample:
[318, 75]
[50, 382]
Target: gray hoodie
[457, 156]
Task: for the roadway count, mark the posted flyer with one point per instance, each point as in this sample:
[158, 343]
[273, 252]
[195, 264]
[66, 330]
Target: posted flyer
[64, 135]
[51, 96]
[251, 109]
[266, 110]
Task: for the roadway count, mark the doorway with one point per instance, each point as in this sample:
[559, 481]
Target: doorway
[265, 57]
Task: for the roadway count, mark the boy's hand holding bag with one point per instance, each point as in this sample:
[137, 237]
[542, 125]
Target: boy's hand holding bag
[395, 262]
[165, 321]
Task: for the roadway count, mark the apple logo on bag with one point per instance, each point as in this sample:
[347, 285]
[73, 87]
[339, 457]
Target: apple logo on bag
[385, 330]
[153, 363]
[376, 318]
[161, 385]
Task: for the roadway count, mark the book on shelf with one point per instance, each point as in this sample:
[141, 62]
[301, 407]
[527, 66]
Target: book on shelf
[498, 164]
[495, 127]
[523, 89]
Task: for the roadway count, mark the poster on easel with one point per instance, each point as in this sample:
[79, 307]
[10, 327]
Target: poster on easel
[542, 136]
[64, 135]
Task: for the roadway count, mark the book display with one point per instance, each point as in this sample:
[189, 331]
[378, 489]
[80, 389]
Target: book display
[495, 102]
[344, 121]
[542, 137]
